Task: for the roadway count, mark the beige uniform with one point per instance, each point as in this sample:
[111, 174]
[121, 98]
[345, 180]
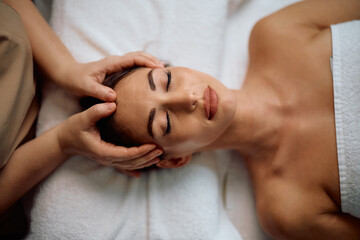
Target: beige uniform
[18, 105]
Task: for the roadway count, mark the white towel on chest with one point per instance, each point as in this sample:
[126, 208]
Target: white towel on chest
[82, 200]
[346, 80]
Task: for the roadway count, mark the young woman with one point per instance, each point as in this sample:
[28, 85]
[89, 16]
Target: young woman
[282, 121]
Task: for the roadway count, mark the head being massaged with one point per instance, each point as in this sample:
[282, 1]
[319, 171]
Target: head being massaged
[179, 109]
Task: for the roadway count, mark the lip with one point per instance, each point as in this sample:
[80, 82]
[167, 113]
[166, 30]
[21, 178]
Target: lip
[210, 102]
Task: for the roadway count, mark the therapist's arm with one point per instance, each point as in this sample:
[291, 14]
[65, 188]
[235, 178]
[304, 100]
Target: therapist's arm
[34, 160]
[58, 64]
[83, 79]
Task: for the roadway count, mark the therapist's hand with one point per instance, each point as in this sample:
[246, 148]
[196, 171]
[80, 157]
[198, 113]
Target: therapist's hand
[84, 79]
[79, 135]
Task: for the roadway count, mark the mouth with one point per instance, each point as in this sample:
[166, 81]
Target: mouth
[211, 102]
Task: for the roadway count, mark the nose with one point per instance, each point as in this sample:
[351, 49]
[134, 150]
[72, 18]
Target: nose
[181, 101]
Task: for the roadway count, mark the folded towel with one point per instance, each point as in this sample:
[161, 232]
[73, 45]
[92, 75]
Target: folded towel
[346, 81]
[83, 200]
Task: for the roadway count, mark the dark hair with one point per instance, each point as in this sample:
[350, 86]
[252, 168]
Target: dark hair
[118, 135]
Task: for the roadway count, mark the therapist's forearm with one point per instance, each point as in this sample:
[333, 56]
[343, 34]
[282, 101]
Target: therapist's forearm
[28, 165]
[49, 52]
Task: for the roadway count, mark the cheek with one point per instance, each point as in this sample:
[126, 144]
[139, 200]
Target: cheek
[190, 136]
[190, 128]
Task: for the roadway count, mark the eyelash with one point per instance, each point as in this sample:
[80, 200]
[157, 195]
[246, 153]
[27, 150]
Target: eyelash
[168, 73]
[168, 128]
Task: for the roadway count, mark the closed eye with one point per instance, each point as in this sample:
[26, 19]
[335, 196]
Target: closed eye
[168, 128]
[168, 73]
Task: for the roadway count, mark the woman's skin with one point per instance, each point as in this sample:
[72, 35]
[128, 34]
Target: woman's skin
[281, 121]
[182, 100]
[34, 160]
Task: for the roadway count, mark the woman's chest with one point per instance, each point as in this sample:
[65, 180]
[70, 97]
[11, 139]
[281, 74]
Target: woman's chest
[303, 174]
[297, 188]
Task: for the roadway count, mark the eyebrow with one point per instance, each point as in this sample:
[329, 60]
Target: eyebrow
[151, 80]
[150, 121]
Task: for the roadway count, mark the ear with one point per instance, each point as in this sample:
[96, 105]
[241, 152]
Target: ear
[175, 162]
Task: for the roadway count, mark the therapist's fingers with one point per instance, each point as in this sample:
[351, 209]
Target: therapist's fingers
[150, 163]
[146, 152]
[119, 154]
[108, 154]
[117, 63]
[97, 112]
[126, 158]
[85, 79]
[89, 76]
[142, 59]
[113, 64]
[147, 164]
[141, 162]
[136, 174]
[97, 90]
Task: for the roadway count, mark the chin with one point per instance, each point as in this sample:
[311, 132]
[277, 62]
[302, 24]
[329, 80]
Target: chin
[227, 105]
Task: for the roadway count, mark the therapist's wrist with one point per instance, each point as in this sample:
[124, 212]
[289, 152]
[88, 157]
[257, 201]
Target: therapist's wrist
[63, 141]
[65, 73]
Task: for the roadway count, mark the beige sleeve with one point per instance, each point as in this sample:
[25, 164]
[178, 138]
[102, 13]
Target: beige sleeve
[18, 105]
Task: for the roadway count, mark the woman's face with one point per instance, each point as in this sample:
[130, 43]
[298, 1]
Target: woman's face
[179, 109]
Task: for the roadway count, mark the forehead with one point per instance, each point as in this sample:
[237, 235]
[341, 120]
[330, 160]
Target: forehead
[133, 104]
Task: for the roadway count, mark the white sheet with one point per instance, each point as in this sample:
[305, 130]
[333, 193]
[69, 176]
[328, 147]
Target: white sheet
[85, 201]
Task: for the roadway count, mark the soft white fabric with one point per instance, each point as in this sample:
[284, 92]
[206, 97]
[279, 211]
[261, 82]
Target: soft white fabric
[82, 200]
[346, 81]
[184, 33]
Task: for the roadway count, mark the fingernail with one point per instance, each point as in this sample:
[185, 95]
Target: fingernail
[110, 106]
[153, 146]
[111, 96]
[158, 152]
[161, 64]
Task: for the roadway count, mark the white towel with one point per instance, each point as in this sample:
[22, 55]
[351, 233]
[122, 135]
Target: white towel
[185, 33]
[346, 81]
[82, 200]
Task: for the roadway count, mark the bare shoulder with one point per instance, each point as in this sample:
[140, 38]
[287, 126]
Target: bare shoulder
[318, 14]
[282, 26]
[283, 212]
[281, 40]
[293, 218]
[304, 19]
[276, 39]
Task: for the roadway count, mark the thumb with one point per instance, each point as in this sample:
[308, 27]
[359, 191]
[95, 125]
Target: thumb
[99, 111]
[97, 90]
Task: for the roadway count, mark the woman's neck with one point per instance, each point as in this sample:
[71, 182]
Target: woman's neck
[256, 127]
